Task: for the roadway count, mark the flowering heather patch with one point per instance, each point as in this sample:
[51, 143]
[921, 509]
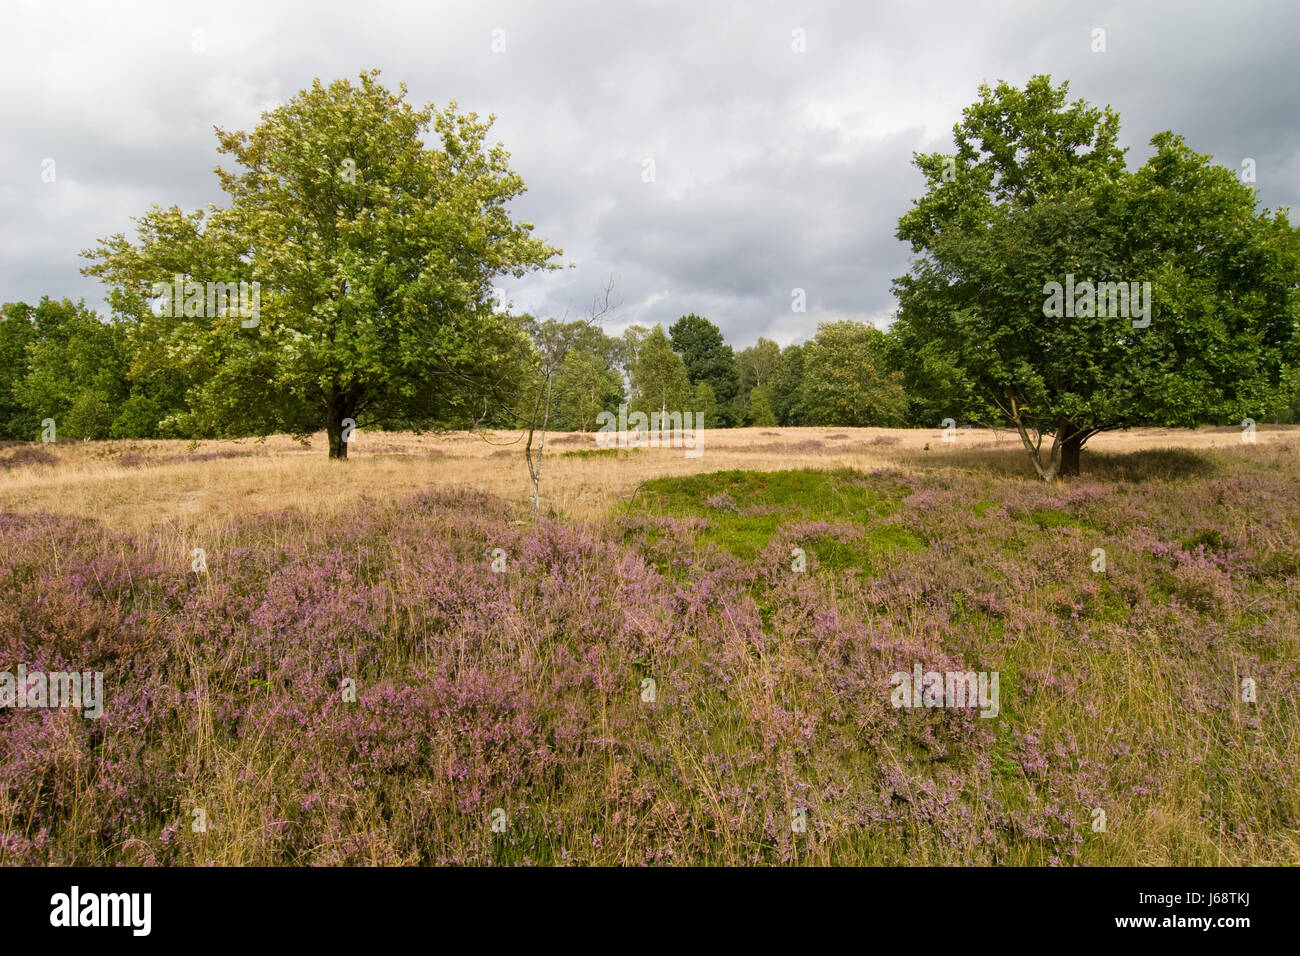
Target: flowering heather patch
[782, 448]
[24, 456]
[391, 449]
[135, 459]
[217, 455]
[434, 681]
[723, 502]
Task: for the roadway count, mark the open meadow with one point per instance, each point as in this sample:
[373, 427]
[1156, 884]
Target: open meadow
[391, 660]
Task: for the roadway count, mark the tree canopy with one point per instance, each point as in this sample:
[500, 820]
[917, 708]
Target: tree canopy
[845, 381]
[374, 256]
[660, 382]
[707, 356]
[1182, 298]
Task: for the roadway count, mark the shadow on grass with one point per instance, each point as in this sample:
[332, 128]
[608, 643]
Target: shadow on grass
[1007, 461]
[1150, 463]
[1011, 461]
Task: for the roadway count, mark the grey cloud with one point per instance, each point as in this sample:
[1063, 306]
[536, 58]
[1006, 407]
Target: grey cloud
[775, 169]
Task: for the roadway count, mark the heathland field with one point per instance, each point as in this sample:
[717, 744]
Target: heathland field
[683, 660]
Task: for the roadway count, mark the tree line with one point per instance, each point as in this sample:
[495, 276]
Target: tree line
[372, 231]
[60, 360]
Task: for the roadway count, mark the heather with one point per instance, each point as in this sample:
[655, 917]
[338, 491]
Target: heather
[662, 687]
[27, 456]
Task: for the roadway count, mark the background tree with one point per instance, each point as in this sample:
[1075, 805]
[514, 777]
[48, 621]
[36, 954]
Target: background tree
[630, 345]
[845, 380]
[757, 364]
[935, 387]
[587, 385]
[708, 359]
[759, 413]
[705, 405]
[1038, 190]
[17, 329]
[156, 406]
[61, 360]
[537, 386]
[660, 381]
[375, 256]
[75, 370]
[787, 387]
[1289, 413]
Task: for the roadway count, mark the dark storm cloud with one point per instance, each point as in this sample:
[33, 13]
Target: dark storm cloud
[774, 170]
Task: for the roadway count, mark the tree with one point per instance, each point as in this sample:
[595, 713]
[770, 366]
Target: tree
[17, 329]
[629, 346]
[757, 364]
[68, 364]
[659, 379]
[935, 389]
[704, 405]
[708, 358]
[787, 387]
[587, 386]
[374, 257]
[845, 381]
[553, 343]
[156, 407]
[76, 368]
[760, 412]
[90, 416]
[1289, 413]
[1185, 306]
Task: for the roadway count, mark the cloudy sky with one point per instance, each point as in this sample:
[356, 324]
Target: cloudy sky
[774, 169]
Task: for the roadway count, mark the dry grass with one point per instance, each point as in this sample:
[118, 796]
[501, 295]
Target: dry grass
[135, 485]
[1139, 659]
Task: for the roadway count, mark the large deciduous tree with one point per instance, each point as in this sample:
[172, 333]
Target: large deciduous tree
[374, 253]
[1057, 290]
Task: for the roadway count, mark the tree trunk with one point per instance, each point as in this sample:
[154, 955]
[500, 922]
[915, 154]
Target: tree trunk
[1070, 449]
[338, 447]
[334, 429]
